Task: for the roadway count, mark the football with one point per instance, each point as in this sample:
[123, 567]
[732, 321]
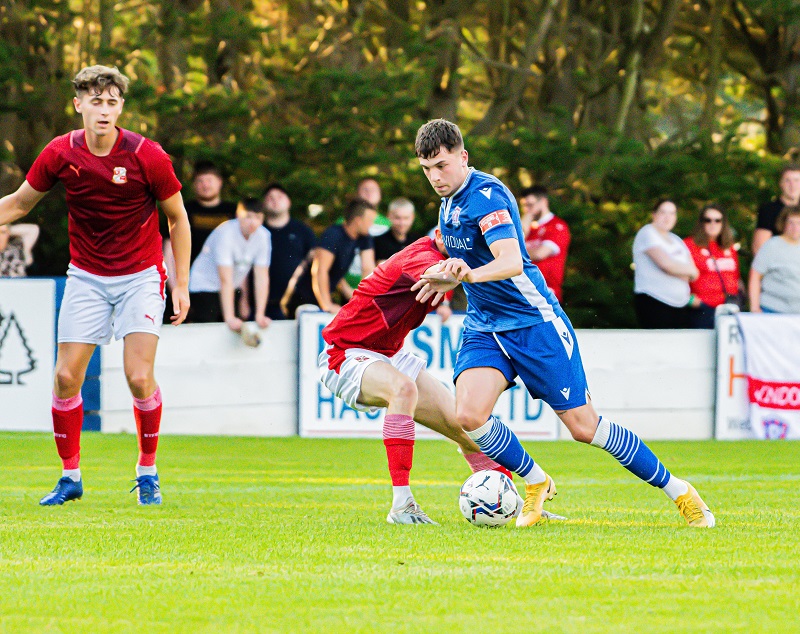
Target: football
[489, 498]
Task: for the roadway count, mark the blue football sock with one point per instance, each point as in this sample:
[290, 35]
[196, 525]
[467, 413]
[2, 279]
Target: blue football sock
[501, 444]
[631, 452]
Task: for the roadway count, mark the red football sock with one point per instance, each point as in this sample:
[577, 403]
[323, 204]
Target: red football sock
[147, 412]
[67, 423]
[398, 437]
[480, 462]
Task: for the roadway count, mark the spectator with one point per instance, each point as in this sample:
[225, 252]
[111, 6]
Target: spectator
[16, 248]
[663, 270]
[206, 212]
[547, 237]
[292, 240]
[768, 213]
[775, 273]
[325, 271]
[367, 189]
[231, 251]
[711, 246]
[399, 236]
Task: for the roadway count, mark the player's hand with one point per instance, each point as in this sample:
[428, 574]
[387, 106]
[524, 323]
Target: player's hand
[180, 305]
[235, 324]
[263, 321]
[458, 268]
[434, 290]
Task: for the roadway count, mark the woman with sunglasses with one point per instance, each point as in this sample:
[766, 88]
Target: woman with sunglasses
[715, 256]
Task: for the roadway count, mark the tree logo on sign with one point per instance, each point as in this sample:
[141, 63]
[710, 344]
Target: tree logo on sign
[16, 356]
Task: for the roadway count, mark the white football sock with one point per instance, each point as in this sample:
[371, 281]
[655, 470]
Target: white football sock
[140, 471]
[401, 496]
[674, 488]
[72, 474]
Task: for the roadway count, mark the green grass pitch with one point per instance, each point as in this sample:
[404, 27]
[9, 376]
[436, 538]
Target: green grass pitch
[289, 535]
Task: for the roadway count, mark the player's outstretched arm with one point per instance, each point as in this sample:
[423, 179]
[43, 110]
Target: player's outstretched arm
[434, 284]
[507, 263]
[180, 237]
[19, 204]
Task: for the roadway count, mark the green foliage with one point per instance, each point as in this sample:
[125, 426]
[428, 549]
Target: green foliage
[320, 95]
[289, 535]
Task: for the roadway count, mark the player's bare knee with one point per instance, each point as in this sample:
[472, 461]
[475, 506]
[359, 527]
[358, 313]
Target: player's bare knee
[67, 382]
[140, 383]
[470, 420]
[582, 428]
[405, 391]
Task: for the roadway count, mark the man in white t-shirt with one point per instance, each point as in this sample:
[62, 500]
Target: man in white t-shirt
[231, 251]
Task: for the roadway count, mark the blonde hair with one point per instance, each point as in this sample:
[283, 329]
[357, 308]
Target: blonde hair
[96, 79]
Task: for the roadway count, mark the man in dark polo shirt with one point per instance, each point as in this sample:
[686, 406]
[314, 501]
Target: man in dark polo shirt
[322, 274]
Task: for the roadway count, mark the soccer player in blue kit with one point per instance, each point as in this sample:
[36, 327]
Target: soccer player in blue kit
[516, 327]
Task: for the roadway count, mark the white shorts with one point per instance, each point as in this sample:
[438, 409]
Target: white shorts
[95, 306]
[346, 384]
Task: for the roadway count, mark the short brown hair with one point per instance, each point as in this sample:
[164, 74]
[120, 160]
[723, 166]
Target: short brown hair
[780, 223]
[435, 134]
[96, 79]
[356, 208]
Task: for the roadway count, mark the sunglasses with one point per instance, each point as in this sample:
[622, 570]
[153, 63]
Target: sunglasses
[710, 220]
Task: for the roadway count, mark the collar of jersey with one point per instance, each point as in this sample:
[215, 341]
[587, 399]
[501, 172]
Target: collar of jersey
[470, 170]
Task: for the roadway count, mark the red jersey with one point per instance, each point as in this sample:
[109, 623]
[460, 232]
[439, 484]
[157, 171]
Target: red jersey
[113, 221]
[383, 309]
[708, 287]
[556, 232]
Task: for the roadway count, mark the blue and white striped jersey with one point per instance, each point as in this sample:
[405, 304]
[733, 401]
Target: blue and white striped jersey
[482, 211]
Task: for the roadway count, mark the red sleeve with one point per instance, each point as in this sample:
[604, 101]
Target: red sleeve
[416, 266]
[563, 236]
[158, 169]
[42, 175]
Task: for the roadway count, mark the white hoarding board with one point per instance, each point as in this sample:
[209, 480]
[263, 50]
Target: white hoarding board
[27, 334]
[322, 415]
[732, 419]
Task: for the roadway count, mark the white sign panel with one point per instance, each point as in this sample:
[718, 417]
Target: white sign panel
[323, 415]
[732, 420]
[27, 335]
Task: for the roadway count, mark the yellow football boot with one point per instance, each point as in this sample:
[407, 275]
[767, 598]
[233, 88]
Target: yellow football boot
[694, 510]
[535, 496]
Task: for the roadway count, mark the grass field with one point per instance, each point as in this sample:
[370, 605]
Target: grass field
[289, 535]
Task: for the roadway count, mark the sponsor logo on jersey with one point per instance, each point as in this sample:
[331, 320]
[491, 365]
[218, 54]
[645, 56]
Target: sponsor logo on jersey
[486, 191]
[120, 176]
[77, 170]
[360, 358]
[493, 219]
[453, 242]
[565, 393]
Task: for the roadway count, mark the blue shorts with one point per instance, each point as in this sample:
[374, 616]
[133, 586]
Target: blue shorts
[545, 356]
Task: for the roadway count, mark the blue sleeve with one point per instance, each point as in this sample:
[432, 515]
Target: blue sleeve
[492, 211]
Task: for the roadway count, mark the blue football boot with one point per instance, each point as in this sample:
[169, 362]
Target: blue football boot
[147, 489]
[66, 490]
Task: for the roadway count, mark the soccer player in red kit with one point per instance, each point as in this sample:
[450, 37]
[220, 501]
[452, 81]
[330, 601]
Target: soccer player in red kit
[115, 281]
[365, 365]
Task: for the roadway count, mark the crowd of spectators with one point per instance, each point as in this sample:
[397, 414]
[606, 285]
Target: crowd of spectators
[257, 261]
